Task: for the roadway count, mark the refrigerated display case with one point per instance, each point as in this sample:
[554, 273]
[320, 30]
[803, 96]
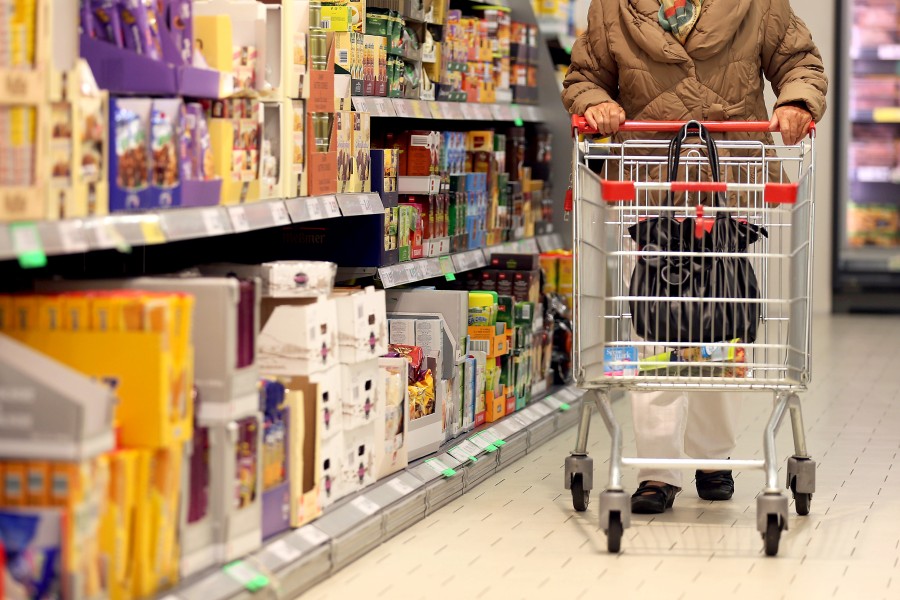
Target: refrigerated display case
[867, 157]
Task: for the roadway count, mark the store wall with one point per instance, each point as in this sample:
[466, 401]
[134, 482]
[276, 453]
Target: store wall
[820, 17]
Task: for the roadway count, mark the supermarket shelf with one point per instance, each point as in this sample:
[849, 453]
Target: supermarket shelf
[452, 111]
[123, 231]
[423, 269]
[871, 259]
[887, 114]
[296, 561]
[883, 52]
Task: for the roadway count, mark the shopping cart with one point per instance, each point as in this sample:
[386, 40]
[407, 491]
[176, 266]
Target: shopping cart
[616, 186]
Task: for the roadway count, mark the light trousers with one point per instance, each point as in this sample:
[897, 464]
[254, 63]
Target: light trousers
[674, 423]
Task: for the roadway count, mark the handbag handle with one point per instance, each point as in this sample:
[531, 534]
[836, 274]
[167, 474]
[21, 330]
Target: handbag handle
[693, 128]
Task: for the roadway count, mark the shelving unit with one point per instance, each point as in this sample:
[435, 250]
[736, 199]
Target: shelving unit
[866, 263]
[293, 563]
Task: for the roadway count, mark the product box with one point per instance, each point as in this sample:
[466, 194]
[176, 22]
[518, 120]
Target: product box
[298, 336]
[234, 37]
[392, 453]
[276, 139]
[361, 151]
[285, 278]
[331, 481]
[295, 162]
[236, 131]
[345, 160]
[236, 485]
[360, 394]
[305, 450]
[145, 169]
[278, 408]
[358, 461]
[328, 387]
[419, 153]
[362, 324]
[322, 151]
[225, 323]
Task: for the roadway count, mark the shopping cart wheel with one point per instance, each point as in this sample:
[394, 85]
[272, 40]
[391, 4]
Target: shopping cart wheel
[801, 480]
[773, 535]
[580, 496]
[614, 533]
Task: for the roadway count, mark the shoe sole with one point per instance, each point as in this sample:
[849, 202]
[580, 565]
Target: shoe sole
[715, 497]
[643, 507]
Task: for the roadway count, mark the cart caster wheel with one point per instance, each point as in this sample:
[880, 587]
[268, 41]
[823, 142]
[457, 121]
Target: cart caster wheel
[581, 498]
[772, 536]
[614, 533]
[801, 503]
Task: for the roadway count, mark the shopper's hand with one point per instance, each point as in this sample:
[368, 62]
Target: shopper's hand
[793, 122]
[606, 118]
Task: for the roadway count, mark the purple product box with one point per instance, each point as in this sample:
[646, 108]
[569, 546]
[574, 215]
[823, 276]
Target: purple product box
[276, 496]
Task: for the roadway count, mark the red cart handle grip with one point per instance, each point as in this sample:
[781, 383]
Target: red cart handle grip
[580, 125]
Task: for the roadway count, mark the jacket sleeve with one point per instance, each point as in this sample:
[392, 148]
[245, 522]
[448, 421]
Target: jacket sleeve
[593, 77]
[791, 60]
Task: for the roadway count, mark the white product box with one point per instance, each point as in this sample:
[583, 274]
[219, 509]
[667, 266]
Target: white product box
[402, 331]
[362, 324]
[329, 394]
[359, 394]
[298, 337]
[331, 453]
[284, 279]
[452, 305]
[392, 431]
[358, 467]
[236, 486]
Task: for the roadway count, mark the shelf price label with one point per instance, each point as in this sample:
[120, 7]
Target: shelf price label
[437, 112]
[279, 213]
[251, 579]
[362, 105]
[330, 207]
[238, 217]
[284, 551]
[27, 245]
[403, 108]
[365, 506]
[212, 223]
[398, 485]
[468, 111]
[438, 466]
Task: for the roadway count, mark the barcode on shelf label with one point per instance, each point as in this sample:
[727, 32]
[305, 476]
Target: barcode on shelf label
[280, 214]
[239, 219]
[383, 108]
[386, 274]
[403, 108]
[312, 535]
[314, 209]
[459, 454]
[71, 237]
[212, 224]
[479, 442]
[365, 506]
[283, 551]
[400, 487]
[413, 272]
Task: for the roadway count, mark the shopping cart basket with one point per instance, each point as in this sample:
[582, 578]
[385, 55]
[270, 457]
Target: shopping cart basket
[618, 186]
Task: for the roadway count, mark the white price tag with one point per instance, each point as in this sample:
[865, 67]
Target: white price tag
[506, 428]
[71, 237]
[383, 108]
[436, 465]
[413, 272]
[330, 207]
[460, 454]
[468, 112]
[312, 535]
[361, 104]
[239, 219]
[889, 52]
[365, 506]
[481, 443]
[400, 487]
[107, 235]
[403, 108]
[388, 278]
[437, 111]
[491, 435]
[279, 213]
[26, 239]
[472, 446]
[283, 551]
[212, 224]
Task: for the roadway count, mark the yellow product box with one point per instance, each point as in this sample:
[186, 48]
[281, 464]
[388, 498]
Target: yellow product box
[358, 15]
[550, 265]
[26, 309]
[50, 313]
[118, 522]
[213, 37]
[142, 557]
[337, 18]
[296, 184]
[7, 313]
[76, 312]
[166, 477]
[153, 410]
[37, 478]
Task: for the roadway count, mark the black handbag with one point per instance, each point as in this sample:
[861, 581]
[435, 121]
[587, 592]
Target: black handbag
[696, 299]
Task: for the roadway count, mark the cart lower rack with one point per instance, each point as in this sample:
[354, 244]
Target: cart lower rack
[692, 273]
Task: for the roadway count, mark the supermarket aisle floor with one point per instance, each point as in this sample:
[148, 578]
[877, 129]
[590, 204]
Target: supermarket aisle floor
[516, 536]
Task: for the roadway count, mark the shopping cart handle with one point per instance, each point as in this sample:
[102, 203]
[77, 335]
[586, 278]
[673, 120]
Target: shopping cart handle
[580, 125]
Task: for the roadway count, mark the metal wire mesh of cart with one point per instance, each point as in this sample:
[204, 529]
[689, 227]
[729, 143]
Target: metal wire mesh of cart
[733, 316]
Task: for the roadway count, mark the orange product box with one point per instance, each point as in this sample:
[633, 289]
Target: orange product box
[14, 484]
[419, 153]
[37, 477]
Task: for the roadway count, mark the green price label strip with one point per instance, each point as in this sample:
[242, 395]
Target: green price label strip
[26, 242]
[247, 576]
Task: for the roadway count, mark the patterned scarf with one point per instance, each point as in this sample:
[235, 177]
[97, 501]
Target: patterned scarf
[678, 17]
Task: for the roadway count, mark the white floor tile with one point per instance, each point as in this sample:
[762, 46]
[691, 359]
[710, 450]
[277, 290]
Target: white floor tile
[516, 535]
